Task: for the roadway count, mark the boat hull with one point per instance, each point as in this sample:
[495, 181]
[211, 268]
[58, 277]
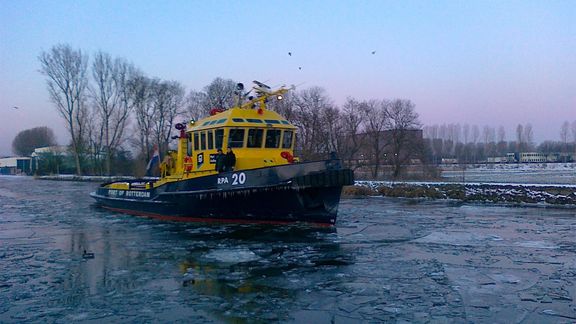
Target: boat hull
[303, 192]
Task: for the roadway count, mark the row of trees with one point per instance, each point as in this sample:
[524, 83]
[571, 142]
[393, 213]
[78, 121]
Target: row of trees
[362, 133]
[111, 108]
[99, 102]
[471, 143]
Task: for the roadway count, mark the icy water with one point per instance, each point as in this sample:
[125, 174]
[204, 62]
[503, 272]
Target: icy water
[564, 174]
[385, 261]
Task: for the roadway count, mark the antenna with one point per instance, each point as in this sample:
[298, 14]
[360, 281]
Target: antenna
[261, 88]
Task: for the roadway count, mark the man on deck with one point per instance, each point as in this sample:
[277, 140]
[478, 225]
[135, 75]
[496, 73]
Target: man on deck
[230, 160]
[220, 161]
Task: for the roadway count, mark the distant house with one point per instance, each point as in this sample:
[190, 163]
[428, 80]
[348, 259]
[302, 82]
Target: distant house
[52, 159]
[56, 150]
[536, 157]
[17, 166]
[497, 159]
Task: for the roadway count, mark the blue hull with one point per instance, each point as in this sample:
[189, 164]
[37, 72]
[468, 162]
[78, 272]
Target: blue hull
[303, 192]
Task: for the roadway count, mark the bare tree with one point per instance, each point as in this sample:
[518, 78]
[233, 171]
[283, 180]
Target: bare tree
[466, 132]
[141, 93]
[352, 119]
[573, 131]
[501, 134]
[220, 94]
[501, 140]
[308, 105]
[111, 100]
[95, 141]
[286, 106]
[565, 132]
[520, 137]
[375, 124]
[331, 133]
[475, 134]
[528, 136]
[196, 105]
[65, 69]
[168, 100]
[401, 119]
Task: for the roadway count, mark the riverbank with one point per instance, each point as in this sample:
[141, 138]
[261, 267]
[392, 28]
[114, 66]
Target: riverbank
[560, 195]
[505, 193]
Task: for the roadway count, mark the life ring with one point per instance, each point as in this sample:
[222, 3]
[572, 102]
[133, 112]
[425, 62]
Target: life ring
[187, 163]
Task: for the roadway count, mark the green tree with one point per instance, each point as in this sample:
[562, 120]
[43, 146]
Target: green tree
[27, 140]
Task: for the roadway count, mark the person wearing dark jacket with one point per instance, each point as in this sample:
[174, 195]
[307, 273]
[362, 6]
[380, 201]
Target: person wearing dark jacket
[220, 161]
[230, 160]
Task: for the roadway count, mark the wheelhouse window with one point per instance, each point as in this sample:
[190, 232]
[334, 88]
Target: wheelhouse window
[287, 139]
[236, 138]
[203, 140]
[219, 138]
[255, 136]
[189, 144]
[210, 140]
[196, 141]
[273, 138]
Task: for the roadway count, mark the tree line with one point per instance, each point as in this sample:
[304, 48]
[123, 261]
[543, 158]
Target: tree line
[112, 109]
[472, 143]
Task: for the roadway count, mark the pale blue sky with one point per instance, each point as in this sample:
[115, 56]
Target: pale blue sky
[476, 62]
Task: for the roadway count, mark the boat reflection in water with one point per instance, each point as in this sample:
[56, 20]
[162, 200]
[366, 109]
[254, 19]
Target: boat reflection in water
[231, 273]
[261, 277]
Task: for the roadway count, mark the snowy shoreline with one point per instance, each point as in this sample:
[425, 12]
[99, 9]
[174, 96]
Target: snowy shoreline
[494, 193]
[523, 194]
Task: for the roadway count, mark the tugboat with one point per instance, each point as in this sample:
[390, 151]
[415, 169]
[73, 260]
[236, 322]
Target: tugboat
[258, 181]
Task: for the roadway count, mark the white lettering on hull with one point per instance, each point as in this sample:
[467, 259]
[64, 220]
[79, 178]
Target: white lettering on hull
[237, 178]
[128, 193]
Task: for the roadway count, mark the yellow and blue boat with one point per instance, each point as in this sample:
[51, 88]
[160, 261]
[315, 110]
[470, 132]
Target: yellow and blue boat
[266, 184]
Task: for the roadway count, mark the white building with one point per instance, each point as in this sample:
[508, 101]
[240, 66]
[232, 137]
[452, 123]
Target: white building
[16, 165]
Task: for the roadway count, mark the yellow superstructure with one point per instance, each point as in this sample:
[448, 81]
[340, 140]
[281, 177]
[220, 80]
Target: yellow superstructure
[257, 136]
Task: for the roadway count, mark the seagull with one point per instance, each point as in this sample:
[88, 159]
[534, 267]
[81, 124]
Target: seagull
[373, 52]
[299, 68]
[15, 107]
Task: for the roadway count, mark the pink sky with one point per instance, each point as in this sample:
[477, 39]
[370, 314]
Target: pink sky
[474, 62]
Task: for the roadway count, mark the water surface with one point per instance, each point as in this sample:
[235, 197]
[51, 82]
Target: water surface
[386, 260]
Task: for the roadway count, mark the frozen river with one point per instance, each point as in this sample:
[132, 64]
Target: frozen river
[386, 260]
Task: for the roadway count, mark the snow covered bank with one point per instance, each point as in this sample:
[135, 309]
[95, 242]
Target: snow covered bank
[516, 194]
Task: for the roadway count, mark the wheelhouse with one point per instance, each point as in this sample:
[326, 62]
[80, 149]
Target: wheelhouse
[258, 138]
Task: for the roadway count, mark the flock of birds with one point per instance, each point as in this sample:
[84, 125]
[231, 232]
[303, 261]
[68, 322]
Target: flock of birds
[289, 54]
[300, 68]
